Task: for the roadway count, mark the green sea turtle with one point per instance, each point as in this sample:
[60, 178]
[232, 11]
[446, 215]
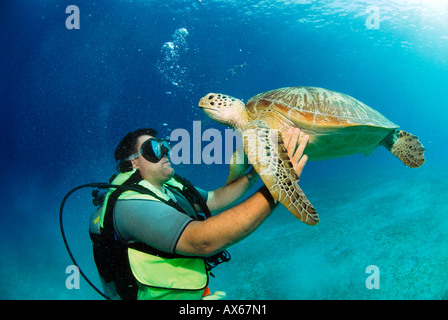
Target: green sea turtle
[337, 124]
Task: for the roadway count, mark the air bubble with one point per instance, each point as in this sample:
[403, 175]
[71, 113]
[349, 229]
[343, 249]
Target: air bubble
[168, 46]
[170, 66]
[180, 33]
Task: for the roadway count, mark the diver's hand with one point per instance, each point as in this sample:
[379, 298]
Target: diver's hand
[291, 137]
[252, 176]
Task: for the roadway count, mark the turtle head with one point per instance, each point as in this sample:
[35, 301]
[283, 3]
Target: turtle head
[224, 109]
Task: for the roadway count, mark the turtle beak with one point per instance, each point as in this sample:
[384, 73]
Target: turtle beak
[203, 103]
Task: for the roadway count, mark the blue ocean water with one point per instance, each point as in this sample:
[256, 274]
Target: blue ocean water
[69, 95]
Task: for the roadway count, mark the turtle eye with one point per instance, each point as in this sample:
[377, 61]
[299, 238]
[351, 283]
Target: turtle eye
[210, 97]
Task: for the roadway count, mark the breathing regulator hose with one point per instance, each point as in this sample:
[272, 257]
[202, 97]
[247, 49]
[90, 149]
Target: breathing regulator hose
[61, 225]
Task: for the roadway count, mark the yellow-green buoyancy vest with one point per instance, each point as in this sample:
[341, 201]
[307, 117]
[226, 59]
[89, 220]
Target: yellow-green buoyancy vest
[158, 277]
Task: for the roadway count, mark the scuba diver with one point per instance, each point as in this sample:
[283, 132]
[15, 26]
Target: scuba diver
[155, 237]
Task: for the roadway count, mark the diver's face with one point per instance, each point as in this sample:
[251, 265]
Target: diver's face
[156, 173]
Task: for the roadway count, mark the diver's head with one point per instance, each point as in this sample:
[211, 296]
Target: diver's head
[128, 146]
[142, 150]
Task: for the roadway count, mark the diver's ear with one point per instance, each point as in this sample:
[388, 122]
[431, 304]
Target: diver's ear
[134, 163]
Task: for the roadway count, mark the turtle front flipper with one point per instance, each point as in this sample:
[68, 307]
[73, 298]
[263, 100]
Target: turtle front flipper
[405, 147]
[265, 150]
[238, 165]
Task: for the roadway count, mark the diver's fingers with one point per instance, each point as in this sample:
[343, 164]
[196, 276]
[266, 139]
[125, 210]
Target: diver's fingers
[303, 140]
[286, 139]
[290, 139]
[299, 160]
[298, 167]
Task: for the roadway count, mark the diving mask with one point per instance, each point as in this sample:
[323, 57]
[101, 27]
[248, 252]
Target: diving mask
[153, 150]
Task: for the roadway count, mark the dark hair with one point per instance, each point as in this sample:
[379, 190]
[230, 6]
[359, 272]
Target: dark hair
[128, 146]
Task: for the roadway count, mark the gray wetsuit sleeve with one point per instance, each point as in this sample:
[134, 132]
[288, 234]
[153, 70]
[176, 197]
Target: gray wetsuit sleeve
[151, 222]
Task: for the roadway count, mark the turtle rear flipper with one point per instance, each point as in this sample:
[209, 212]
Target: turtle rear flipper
[405, 147]
[266, 152]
